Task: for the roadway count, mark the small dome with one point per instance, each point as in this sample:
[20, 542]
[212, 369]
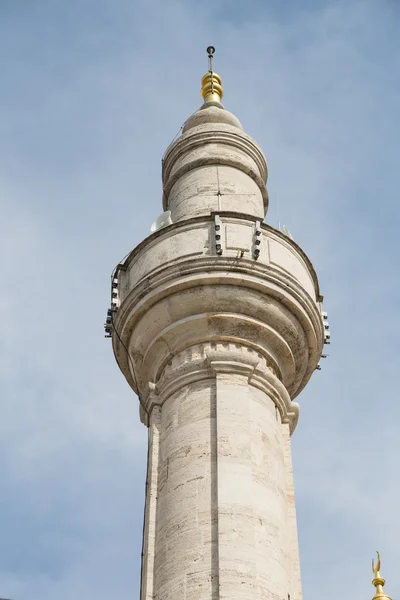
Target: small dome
[211, 112]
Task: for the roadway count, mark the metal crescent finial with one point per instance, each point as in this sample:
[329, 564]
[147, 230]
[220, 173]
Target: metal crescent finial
[378, 582]
[377, 568]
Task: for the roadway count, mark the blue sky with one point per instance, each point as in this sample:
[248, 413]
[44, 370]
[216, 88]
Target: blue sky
[92, 94]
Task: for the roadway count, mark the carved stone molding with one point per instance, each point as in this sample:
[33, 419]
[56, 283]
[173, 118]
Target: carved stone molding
[206, 361]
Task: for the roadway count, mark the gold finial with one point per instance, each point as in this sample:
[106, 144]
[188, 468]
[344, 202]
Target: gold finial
[378, 581]
[211, 88]
[377, 568]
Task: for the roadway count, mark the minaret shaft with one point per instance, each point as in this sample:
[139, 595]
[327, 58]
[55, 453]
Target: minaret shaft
[221, 526]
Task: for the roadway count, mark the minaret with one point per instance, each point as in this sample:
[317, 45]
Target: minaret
[216, 324]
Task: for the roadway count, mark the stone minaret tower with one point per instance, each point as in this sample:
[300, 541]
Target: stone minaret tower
[216, 324]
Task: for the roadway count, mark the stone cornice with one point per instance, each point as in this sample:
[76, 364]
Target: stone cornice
[214, 270]
[205, 361]
[219, 134]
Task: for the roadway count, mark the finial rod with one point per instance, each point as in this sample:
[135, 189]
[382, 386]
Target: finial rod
[211, 88]
[210, 52]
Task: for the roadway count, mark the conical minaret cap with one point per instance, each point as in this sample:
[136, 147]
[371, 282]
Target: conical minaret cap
[378, 581]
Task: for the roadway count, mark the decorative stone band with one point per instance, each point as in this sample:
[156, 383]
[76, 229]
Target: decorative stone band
[204, 361]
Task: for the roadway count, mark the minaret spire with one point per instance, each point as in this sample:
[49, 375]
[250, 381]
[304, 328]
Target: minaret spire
[211, 88]
[378, 581]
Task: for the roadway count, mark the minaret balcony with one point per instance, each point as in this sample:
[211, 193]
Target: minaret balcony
[223, 278]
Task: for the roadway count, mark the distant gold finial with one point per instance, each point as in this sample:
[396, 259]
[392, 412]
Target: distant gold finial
[211, 88]
[377, 568]
[378, 581]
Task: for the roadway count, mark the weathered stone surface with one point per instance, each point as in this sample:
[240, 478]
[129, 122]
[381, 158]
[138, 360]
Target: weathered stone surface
[292, 521]
[214, 155]
[175, 292]
[222, 510]
[219, 329]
